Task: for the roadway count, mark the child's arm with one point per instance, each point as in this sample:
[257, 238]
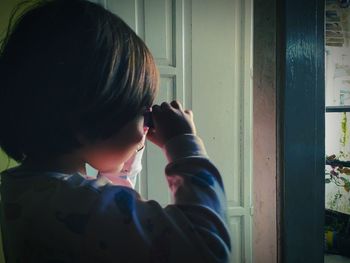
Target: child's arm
[198, 193]
[194, 181]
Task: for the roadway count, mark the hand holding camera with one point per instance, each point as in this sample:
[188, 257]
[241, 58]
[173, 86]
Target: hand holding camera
[170, 120]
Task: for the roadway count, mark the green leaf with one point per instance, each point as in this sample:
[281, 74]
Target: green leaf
[344, 179]
[328, 181]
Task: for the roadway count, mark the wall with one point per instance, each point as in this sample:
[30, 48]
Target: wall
[264, 115]
[222, 105]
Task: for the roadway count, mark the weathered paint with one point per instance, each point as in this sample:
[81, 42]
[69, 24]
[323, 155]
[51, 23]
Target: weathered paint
[300, 69]
[264, 165]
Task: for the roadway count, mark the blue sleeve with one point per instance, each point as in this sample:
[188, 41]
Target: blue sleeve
[191, 229]
[198, 192]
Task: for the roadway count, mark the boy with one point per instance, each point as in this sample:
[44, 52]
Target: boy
[76, 82]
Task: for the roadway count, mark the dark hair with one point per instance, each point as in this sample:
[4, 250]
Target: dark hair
[70, 67]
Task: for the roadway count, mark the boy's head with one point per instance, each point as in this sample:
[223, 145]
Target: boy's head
[70, 69]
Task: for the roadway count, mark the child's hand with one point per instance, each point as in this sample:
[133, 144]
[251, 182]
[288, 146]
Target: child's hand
[170, 120]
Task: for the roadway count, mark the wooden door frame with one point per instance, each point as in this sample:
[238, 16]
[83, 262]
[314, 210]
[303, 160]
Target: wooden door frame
[296, 149]
[300, 129]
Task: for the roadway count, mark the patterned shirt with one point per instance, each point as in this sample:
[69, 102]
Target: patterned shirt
[59, 218]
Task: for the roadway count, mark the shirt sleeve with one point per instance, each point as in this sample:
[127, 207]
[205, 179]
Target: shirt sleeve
[198, 192]
[193, 228]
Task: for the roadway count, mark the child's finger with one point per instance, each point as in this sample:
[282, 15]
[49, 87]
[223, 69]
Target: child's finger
[165, 106]
[152, 136]
[189, 112]
[176, 104]
[156, 112]
[155, 109]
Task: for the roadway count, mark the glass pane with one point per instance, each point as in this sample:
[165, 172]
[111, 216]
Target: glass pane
[337, 54]
[337, 174]
[337, 170]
